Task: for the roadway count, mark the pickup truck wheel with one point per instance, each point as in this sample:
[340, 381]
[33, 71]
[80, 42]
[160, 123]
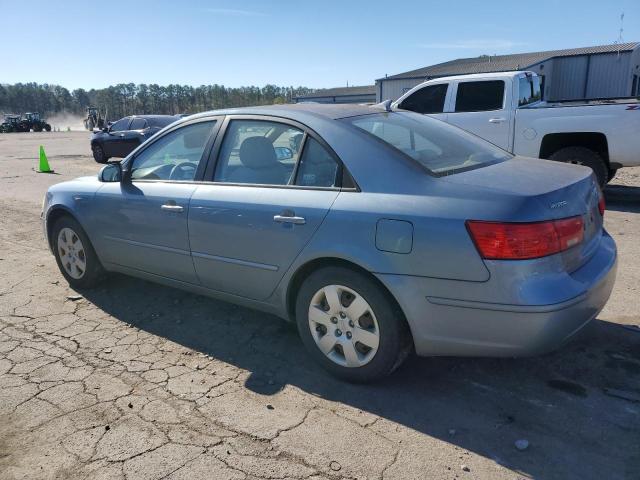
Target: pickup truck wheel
[98, 154]
[350, 326]
[586, 157]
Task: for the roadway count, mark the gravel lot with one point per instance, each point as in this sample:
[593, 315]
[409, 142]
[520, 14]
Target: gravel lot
[135, 380]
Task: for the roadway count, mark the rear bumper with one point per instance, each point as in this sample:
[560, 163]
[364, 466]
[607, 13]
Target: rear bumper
[458, 326]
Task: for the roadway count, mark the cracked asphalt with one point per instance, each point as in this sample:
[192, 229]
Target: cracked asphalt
[138, 381]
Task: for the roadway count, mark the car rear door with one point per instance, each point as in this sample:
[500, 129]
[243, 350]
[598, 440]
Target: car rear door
[259, 210]
[142, 222]
[482, 107]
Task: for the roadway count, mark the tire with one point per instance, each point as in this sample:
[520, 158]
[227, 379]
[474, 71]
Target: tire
[382, 318]
[37, 129]
[47, 127]
[584, 156]
[79, 264]
[98, 154]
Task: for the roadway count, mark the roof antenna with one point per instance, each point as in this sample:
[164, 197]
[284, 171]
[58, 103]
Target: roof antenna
[385, 105]
[620, 40]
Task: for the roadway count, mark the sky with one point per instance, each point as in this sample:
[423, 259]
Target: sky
[93, 44]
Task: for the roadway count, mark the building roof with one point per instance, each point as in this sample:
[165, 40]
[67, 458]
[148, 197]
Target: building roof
[497, 63]
[341, 92]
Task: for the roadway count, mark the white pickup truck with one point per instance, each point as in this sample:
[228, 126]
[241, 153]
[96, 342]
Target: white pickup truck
[507, 110]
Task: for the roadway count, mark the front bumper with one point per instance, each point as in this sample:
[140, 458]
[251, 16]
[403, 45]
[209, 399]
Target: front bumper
[458, 324]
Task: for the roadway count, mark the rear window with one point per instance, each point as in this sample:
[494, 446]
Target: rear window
[479, 96]
[437, 146]
[529, 90]
[161, 121]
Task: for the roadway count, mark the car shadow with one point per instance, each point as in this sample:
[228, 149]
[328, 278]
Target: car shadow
[560, 402]
[622, 198]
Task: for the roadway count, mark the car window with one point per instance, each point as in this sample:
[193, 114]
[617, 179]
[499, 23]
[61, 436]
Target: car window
[162, 121]
[317, 166]
[529, 90]
[439, 147]
[138, 124]
[175, 156]
[120, 125]
[479, 96]
[258, 152]
[426, 100]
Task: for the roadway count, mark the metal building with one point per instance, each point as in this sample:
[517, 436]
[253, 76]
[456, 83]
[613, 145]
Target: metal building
[604, 71]
[362, 94]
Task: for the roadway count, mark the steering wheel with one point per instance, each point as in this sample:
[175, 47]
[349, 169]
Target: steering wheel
[182, 170]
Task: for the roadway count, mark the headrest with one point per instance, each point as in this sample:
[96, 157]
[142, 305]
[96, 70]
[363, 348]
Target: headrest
[257, 152]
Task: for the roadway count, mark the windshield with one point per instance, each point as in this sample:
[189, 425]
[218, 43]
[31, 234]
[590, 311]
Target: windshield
[529, 90]
[439, 147]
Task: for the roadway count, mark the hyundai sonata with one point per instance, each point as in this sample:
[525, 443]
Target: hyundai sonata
[379, 232]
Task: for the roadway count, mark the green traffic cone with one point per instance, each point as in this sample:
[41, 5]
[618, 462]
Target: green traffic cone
[44, 163]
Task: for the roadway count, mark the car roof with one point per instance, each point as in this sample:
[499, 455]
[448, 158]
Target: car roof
[298, 111]
[151, 117]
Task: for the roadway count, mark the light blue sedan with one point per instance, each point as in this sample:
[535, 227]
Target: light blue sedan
[378, 232]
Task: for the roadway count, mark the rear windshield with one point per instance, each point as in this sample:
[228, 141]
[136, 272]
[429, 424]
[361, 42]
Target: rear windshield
[161, 121]
[440, 148]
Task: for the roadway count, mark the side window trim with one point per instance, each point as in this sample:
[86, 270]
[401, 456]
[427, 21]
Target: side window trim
[214, 153]
[296, 167]
[199, 175]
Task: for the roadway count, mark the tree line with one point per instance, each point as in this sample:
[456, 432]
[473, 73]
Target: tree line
[128, 98]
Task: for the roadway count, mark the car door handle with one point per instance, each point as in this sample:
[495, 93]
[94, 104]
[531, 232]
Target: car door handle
[497, 120]
[167, 207]
[289, 219]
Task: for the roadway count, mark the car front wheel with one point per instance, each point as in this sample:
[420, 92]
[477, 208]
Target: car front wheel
[75, 255]
[350, 325]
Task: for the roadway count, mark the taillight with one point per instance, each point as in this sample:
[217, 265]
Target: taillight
[601, 204]
[520, 241]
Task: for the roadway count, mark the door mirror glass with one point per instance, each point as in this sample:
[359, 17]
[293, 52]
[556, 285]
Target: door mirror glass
[284, 153]
[111, 172]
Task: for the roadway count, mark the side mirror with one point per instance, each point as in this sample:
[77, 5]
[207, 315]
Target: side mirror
[112, 172]
[283, 153]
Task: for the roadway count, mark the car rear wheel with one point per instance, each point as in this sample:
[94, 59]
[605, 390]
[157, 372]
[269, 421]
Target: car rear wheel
[98, 154]
[350, 325]
[584, 156]
[75, 256]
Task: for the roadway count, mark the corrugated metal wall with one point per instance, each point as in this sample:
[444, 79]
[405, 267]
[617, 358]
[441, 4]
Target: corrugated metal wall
[567, 80]
[394, 89]
[609, 75]
[604, 75]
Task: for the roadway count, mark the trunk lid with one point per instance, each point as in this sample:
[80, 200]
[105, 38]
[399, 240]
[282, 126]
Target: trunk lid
[539, 190]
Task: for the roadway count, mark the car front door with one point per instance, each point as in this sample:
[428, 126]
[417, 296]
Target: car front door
[134, 136]
[481, 107]
[114, 141]
[270, 192]
[143, 219]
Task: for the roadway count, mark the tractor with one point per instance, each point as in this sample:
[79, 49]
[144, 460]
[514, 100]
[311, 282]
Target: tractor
[32, 121]
[94, 119]
[12, 123]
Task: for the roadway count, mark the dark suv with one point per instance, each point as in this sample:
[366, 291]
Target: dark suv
[122, 137]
